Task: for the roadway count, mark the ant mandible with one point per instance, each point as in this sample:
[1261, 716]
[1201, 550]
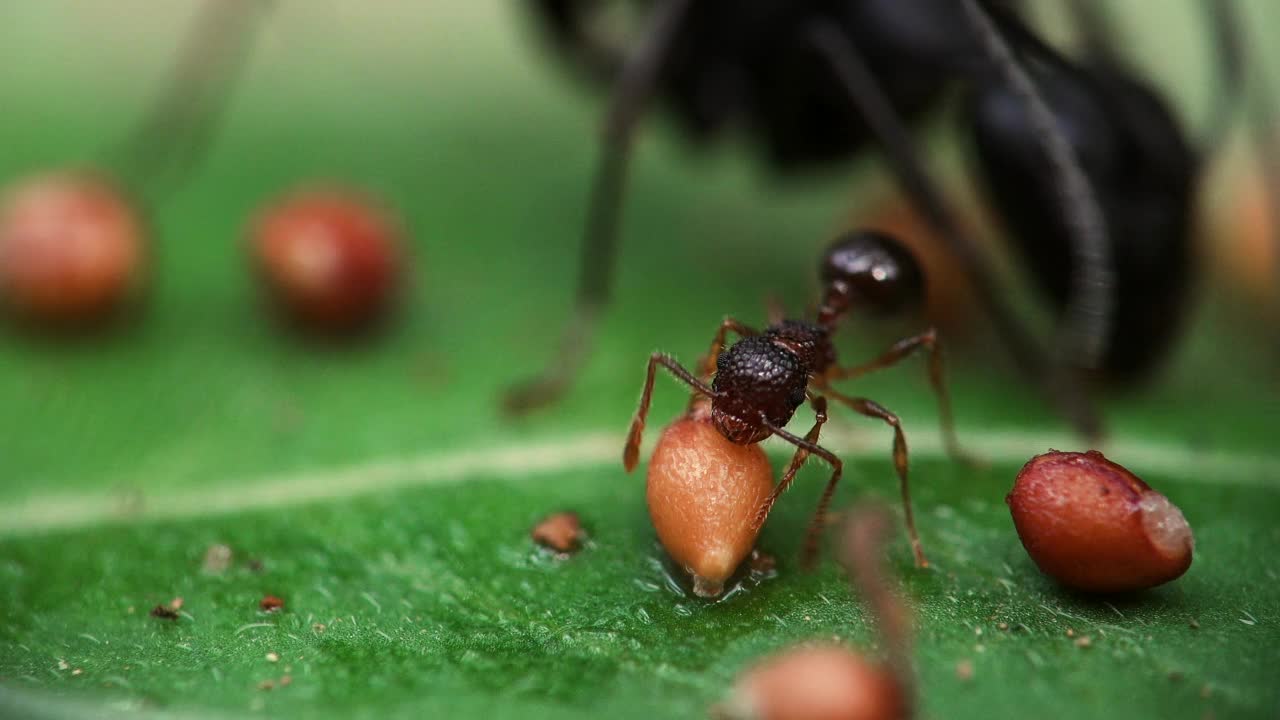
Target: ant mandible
[762, 379]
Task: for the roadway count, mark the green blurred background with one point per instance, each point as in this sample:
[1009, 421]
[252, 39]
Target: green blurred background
[454, 115]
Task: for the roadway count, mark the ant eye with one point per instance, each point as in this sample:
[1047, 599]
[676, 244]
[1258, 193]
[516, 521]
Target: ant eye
[875, 268]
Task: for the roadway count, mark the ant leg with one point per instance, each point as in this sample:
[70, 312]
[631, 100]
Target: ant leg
[819, 404]
[631, 452]
[805, 446]
[928, 340]
[600, 243]
[865, 93]
[873, 409]
[177, 129]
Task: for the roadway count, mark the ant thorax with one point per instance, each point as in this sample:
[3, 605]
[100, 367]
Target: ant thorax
[761, 379]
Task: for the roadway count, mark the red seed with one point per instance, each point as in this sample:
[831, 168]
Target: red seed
[560, 531]
[1094, 526]
[270, 603]
[330, 260]
[703, 493]
[816, 683]
[71, 249]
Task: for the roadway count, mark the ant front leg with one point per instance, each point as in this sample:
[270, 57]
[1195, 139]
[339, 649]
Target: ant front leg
[806, 446]
[873, 409]
[927, 340]
[631, 94]
[631, 452]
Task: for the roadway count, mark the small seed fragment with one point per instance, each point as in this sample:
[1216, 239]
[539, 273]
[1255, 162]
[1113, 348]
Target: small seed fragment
[561, 532]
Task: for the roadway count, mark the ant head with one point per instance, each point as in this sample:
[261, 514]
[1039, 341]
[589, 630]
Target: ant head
[755, 377]
[869, 268]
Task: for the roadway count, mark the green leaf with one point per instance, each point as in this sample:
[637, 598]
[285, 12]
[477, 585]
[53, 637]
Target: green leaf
[379, 492]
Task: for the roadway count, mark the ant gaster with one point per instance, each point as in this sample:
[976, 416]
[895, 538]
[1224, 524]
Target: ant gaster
[762, 379]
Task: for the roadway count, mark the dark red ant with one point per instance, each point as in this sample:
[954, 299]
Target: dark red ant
[760, 380]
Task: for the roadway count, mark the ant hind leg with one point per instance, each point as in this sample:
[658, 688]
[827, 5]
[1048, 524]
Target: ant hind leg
[928, 341]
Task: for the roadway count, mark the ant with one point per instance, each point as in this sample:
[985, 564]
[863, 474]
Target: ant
[815, 83]
[758, 382]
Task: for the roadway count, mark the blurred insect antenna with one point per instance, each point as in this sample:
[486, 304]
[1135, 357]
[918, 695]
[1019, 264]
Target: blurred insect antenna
[175, 134]
[862, 555]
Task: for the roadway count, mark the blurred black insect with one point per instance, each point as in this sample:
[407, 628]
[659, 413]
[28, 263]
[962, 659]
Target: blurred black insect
[1092, 173]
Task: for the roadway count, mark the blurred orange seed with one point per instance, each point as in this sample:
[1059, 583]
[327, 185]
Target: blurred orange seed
[704, 493]
[1094, 526]
[71, 249]
[270, 603]
[820, 682]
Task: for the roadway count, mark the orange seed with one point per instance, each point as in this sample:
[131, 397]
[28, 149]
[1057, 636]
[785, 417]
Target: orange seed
[703, 493]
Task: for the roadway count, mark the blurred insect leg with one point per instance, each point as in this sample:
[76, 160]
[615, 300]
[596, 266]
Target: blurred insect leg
[567, 24]
[805, 446]
[600, 243]
[631, 452]
[928, 341]
[1264, 112]
[708, 365]
[872, 409]
[863, 559]
[865, 92]
[1229, 53]
[166, 146]
[1093, 22]
[869, 99]
[1083, 335]
[819, 404]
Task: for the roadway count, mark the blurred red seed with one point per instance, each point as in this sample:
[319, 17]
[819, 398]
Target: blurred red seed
[1094, 526]
[71, 249]
[330, 260]
[270, 603]
[703, 493]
